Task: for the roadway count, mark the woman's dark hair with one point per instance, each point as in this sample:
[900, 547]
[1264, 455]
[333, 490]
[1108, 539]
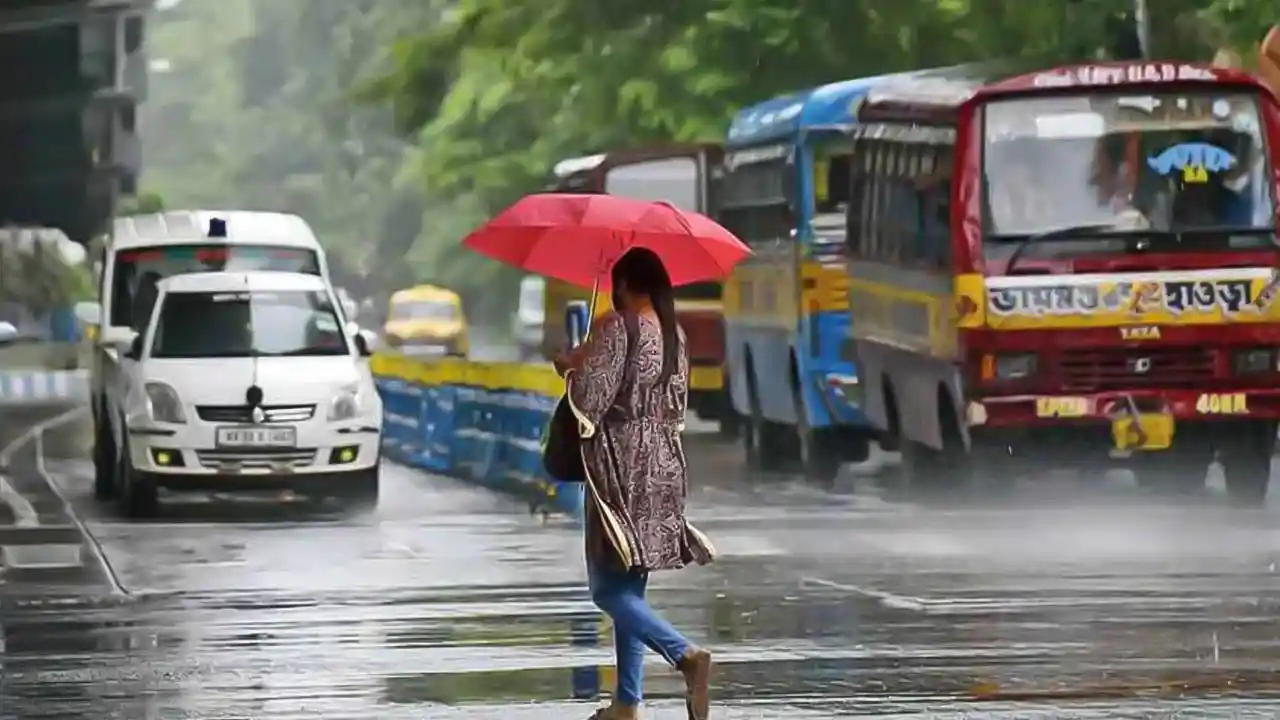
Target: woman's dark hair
[641, 271]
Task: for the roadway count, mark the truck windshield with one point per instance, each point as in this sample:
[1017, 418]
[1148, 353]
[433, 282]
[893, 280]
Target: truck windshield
[248, 324]
[1184, 170]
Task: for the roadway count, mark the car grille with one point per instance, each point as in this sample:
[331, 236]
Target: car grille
[251, 460]
[1092, 369]
[244, 413]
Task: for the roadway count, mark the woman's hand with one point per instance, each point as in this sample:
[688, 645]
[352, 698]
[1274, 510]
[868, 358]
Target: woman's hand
[561, 363]
[569, 359]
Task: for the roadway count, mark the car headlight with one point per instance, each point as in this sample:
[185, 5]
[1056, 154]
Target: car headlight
[163, 404]
[345, 406]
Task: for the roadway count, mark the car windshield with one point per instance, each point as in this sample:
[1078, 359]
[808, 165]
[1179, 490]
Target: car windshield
[248, 324]
[424, 310]
[1185, 170]
[137, 271]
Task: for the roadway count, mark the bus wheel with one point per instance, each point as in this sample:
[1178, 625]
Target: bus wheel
[730, 421]
[819, 450]
[1245, 455]
[932, 470]
[760, 438]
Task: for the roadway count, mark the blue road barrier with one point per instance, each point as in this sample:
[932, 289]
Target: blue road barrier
[479, 422]
[20, 387]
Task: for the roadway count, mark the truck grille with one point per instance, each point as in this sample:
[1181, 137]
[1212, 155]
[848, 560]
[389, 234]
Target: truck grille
[244, 413]
[251, 460]
[704, 336]
[1090, 369]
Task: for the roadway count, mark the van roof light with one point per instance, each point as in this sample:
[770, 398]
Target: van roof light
[217, 228]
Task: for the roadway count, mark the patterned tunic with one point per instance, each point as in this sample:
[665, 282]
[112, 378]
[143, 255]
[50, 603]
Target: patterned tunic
[632, 450]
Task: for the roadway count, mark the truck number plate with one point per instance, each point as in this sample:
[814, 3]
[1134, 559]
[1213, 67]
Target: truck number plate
[256, 437]
[1223, 404]
[1062, 407]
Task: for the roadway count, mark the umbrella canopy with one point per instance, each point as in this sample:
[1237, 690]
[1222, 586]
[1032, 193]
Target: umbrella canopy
[577, 238]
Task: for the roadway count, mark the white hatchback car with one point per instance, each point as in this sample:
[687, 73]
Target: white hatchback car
[247, 382]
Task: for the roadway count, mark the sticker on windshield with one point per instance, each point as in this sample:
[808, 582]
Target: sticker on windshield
[1195, 160]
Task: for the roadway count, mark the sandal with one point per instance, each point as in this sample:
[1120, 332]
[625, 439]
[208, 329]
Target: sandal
[604, 713]
[697, 681]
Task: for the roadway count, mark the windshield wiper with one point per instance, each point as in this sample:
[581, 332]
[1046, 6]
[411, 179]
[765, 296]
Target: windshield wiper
[1225, 230]
[305, 352]
[1064, 233]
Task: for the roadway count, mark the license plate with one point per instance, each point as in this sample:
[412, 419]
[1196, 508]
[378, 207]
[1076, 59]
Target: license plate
[254, 437]
[1150, 431]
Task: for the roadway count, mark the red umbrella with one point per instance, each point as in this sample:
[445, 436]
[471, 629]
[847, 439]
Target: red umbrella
[578, 238]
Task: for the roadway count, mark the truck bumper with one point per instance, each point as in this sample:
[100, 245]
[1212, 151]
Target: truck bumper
[1197, 405]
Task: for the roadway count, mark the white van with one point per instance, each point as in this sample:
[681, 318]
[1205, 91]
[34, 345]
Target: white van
[247, 382]
[145, 249]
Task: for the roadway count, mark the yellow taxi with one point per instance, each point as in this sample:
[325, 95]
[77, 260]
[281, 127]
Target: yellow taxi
[426, 320]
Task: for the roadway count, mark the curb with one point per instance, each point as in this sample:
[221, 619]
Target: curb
[29, 544]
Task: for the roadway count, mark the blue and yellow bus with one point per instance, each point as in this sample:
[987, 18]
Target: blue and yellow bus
[783, 188]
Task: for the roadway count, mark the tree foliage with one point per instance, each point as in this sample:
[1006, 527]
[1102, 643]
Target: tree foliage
[532, 82]
[465, 104]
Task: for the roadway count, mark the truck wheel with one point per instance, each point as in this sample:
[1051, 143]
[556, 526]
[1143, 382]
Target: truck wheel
[138, 498]
[1177, 470]
[104, 462]
[1246, 461]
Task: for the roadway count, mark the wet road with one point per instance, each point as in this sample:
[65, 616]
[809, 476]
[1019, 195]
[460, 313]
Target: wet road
[450, 602]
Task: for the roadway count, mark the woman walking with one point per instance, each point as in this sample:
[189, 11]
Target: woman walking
[628, 387]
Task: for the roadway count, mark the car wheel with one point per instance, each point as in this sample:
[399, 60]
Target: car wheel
[361, 491]
[104, 462]
[137, 495]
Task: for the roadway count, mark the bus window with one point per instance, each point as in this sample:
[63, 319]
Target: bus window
[753, 203]
[831, 187]
[934, 185]
[899, 202]
[674, 180]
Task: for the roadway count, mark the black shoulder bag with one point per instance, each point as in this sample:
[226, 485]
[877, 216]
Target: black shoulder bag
[562, 451]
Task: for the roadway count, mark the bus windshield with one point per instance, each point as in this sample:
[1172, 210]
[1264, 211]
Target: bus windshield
[1184, 170]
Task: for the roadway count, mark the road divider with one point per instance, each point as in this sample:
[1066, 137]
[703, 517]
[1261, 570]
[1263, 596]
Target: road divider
[21, 387]
[482, 422]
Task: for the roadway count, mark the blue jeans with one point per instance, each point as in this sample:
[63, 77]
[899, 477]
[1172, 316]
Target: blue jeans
[635, 626]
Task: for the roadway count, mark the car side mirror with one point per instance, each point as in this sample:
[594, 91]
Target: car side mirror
[362, 345]
[135, 349]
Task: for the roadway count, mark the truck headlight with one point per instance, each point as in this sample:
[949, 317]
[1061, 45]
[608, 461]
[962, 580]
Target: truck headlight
[163, 404]
[345, 405]
[1254, 360]
[1008, 367]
